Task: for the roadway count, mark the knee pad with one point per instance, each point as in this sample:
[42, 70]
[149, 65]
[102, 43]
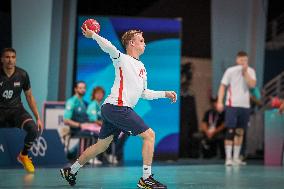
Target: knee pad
[230, 134]
[32, 131]
[239, 132]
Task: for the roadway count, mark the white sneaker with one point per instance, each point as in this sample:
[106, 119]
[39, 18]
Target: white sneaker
[95, 161]
[229, 162]
[112, 159]
[239, 162]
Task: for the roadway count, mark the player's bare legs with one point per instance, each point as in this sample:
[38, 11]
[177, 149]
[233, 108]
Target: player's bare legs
[148, 146]
[95, 150]
[229, 142]
[147, 180]
[238, 141]
[91, 152]
[102, 144]
[233, 142]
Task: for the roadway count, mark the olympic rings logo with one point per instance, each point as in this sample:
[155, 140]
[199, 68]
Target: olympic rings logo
[39, 147]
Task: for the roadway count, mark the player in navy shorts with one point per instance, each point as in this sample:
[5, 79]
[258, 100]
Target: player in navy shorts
[237, 80]
[130, 84]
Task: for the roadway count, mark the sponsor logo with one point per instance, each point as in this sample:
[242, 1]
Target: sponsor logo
[39, 147]
[142, 73]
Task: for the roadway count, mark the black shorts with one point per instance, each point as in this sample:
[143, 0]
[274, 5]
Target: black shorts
[13, 117]
[118, 119]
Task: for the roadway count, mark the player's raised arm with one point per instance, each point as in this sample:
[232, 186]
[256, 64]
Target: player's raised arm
[105, 45]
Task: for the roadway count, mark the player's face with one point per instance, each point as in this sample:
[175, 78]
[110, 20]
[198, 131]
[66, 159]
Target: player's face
[138, 43]
[99, 95]
[242, 60]
[9, 60]
[80, 89]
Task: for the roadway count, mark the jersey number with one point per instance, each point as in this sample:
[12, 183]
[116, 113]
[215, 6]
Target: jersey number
[8, 94]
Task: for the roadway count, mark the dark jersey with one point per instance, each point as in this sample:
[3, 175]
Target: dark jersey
[214, 118]
[12, 87]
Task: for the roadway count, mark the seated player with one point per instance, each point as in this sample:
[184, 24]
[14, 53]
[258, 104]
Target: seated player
[75, 113]
[94, 108]
[14, 80]
[212, 128]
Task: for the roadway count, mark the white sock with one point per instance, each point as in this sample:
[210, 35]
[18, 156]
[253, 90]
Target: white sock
[228, 149]
[146, 171]
[75, 167]
[237, 149]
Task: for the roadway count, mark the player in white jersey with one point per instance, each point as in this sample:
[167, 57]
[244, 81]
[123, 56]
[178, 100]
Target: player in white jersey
[237, 80]
[130, 84]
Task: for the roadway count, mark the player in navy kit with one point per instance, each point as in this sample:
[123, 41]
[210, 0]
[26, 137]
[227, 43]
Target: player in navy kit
[130, 84]
[14, 80]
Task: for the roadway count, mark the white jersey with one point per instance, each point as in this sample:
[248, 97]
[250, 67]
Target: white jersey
[130, 81]
[238, 94]
[128, 86]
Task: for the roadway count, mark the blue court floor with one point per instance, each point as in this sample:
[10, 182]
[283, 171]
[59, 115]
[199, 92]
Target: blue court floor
[180, 177]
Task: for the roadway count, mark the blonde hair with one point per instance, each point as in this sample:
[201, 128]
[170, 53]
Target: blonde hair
[127, 36]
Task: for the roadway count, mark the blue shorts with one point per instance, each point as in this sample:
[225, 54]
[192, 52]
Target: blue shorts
[236, 117]
[118, 119]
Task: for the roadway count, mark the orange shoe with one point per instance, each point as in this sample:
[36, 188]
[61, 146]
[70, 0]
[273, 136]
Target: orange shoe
[26, 162]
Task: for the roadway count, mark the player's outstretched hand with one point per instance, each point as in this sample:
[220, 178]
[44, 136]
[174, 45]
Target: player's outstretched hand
[39, 126]
[172, 95]
[86, 32]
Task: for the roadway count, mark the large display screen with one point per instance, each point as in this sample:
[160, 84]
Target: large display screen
[162, 62]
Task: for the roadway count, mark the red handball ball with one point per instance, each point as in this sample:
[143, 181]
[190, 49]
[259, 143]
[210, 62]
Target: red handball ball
[92, 24]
